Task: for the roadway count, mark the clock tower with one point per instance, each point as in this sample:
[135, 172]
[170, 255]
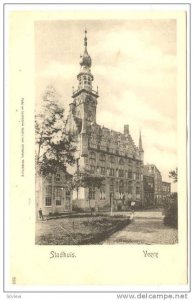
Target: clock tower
[83, 107]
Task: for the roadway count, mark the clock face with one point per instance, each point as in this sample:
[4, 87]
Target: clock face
[88, 99]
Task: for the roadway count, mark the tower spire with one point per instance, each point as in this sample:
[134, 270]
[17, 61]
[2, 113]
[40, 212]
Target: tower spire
[85, 77]
[85, 61]
[140, 142]
[141, 152]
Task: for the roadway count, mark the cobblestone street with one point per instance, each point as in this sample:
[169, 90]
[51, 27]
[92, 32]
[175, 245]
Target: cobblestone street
[146, 228]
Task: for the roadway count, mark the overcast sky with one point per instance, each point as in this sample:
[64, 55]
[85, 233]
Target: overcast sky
[134, 65]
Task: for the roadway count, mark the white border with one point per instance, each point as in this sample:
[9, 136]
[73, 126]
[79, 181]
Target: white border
[84, 288]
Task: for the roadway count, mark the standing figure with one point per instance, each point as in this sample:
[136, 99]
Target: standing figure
[41, 214]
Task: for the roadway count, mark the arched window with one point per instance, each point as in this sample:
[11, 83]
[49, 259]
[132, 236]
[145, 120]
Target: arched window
[112, 185]
[112, 159]
[121, 162]
[103, 191]
[130, 187]
[130, 162]
[92, 157]
[121, 186]
[116, 186]
[130, 176]
[102, 159]
[121, 168]
[92, 161]
[138, 190]
[121, 173]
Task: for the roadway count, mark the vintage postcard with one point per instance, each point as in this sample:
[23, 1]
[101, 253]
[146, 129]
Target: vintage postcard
[97, 113]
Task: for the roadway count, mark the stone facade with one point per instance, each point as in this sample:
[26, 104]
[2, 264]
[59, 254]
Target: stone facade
[103, 152]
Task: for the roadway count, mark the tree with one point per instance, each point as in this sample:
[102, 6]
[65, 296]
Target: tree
[173, 174]
[85, 179]
[171, 210]
[55, 147]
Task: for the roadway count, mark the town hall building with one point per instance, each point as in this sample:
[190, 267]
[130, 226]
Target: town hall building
[103, 152]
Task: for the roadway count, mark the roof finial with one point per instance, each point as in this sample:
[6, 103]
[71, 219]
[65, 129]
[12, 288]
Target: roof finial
[85, 39]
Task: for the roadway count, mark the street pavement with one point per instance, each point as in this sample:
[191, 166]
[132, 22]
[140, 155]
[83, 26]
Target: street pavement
[146, 228]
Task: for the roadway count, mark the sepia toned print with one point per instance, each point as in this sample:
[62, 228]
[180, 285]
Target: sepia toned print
[97, 116]
[94, 183]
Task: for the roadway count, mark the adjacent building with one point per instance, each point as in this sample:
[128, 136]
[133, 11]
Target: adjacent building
[161, 189]
[148, 190]
[53, 194]
[166, 191]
